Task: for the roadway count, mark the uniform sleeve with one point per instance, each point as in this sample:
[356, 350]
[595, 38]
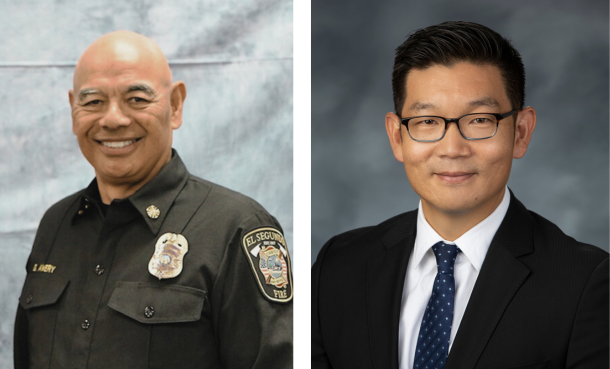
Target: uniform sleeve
[319, 359]
[20, 341]
[48, 226]
[588, 347]
[254, 331]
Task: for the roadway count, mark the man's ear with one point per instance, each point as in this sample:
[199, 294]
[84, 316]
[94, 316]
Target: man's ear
[71, 98]
[393, 127]
[178, 94]
[71, 101]
[524, 127]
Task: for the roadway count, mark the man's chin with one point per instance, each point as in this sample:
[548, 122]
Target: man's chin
[451, 206]
[115, 174]
[456, 209]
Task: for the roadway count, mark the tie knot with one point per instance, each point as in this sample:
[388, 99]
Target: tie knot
[445, 256]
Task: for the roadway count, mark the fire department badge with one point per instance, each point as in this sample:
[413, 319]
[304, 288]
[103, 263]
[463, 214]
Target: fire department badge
[166, 262]
[267, 253]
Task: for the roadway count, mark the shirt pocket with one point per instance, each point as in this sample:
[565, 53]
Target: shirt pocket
[155, 320]
[41, 289]
[40, 299]
[155, 303]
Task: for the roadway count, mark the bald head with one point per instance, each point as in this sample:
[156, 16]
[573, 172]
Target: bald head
[122, 48]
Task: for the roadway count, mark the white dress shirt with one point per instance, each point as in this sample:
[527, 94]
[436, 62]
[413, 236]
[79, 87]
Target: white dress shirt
[422, 270]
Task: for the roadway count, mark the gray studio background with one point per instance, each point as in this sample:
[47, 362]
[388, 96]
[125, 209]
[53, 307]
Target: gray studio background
[235, 57]
[356, 181]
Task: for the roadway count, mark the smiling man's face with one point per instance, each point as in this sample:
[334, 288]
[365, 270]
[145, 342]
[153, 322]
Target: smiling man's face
[456, 176]
[123, 112]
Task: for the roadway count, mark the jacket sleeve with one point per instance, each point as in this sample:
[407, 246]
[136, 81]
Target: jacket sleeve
[319, 358]
[20, 341]
[588, 347]
[252, 330]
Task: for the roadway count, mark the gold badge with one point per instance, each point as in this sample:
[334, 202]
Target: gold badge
[267, 253]
[166, 262]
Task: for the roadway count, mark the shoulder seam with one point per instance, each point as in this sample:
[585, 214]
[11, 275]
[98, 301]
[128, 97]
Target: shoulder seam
[56, 222]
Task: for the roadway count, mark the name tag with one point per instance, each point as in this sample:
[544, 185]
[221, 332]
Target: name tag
[44, 268]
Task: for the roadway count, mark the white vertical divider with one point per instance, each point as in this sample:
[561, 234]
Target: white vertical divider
[302, 183]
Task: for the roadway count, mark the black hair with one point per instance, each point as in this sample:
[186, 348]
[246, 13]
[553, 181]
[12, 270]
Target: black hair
[451, 42]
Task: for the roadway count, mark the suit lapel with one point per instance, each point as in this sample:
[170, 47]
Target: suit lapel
[385, 278]
[499, 279]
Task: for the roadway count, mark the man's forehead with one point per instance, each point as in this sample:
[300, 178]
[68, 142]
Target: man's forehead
[120, 77]
[122, 55]
[470, 84]
[483, 101]
[117, 68]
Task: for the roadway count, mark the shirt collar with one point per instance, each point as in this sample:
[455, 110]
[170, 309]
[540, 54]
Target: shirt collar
[160, 192]
[474, 243]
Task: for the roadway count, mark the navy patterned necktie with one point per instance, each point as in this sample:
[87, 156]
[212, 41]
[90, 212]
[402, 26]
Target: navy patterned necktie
[433, 339]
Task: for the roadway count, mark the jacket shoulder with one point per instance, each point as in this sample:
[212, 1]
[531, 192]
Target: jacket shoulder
[360, 242]
[552, 234]
[549, 235]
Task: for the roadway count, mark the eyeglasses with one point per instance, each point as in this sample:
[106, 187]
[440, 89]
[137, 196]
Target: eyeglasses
[476, 126]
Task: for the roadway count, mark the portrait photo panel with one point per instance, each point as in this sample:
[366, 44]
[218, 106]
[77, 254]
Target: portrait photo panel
[236, 61]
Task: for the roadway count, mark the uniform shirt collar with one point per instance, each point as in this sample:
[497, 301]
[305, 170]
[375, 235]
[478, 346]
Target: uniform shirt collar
[474, 243]
[160, 192]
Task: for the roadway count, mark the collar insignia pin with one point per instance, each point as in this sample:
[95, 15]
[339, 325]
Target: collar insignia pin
[166, 262]
[153, 212]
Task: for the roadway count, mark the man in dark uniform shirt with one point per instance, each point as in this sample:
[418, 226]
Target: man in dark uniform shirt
[149, 266]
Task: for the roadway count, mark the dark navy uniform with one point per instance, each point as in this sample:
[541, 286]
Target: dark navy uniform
[90, 300]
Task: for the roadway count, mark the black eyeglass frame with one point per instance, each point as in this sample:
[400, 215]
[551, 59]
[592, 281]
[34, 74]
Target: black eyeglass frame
[499, 117]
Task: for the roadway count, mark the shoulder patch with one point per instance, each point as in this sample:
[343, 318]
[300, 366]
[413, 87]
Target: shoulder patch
[267, 253]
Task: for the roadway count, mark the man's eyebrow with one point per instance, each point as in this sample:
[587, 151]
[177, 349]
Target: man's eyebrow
[87, 91]
[419, 105]
[144, 88]
[488, 102]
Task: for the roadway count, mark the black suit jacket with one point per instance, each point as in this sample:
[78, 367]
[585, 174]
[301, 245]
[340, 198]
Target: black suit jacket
[540, 300]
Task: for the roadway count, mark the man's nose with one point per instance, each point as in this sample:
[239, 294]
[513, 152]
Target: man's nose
[453, 145]
[114, 117]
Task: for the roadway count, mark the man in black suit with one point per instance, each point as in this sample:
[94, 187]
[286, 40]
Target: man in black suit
[471, 279]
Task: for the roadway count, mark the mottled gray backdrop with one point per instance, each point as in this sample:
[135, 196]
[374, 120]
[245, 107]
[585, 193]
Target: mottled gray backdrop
[356, 181]
[235, 57]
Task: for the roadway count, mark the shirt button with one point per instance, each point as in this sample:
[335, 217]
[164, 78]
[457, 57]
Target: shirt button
[149, 311]
[29, 299]
[99, 269]
[86, 324]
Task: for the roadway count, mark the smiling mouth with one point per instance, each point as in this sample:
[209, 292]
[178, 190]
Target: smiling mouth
[118, 144]
[454, 174]
[454, 177]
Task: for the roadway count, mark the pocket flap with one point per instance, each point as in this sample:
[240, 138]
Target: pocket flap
[41, 289]
[155, 303]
